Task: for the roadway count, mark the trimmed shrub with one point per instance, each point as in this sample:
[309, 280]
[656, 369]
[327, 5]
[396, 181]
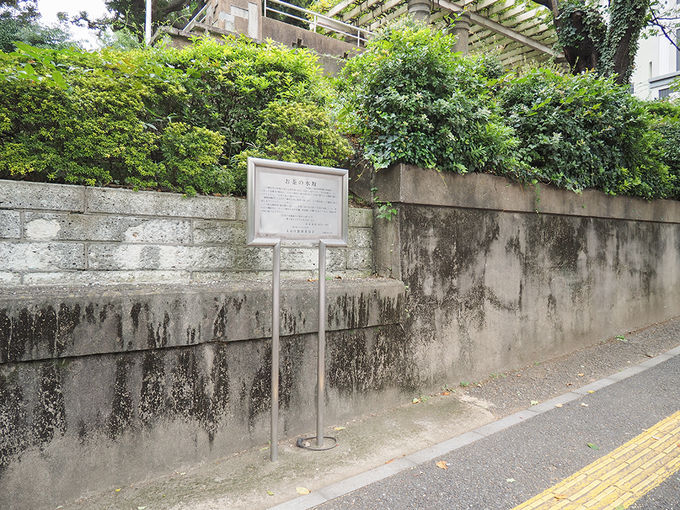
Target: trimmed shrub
[582, 132]
[665, 120]
[408, 98]
[161, 117]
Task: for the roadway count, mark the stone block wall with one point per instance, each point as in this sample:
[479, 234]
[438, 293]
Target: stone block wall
[70, 235]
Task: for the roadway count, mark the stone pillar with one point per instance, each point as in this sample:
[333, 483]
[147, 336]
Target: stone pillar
[419, 10]
[461, 29]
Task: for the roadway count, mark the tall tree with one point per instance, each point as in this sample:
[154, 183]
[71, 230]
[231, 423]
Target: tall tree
[602, 39]
[19, 21]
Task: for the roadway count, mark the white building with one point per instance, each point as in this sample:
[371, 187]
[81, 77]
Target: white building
[657, 66]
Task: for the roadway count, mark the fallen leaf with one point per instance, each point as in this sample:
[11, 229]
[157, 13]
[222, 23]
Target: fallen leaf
[311, 279]
[591, 391]
[655, 438]
[445, 393]
[303, 491]
[534, 402]
[593, 446]
[141, 508]
[338, 428]
[519, 375]
[560, 496]
[117, 490]
[558, 405]
[415, 401]
[442, 464]
[270, 493]
[510, 480]
[580, 375]
[388, 461]
[570, 384]
[583, 404]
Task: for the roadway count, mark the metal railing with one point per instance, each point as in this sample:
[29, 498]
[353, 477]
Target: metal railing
[315, 20]
[199, 18]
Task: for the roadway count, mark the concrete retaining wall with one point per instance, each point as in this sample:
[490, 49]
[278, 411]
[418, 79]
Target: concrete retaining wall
[103, 386]
[500, 275]
[71, 235]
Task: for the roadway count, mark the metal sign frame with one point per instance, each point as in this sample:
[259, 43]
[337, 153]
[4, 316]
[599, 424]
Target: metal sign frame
[273, 236]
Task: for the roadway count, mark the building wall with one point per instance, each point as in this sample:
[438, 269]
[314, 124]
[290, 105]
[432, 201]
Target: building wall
[657, 65]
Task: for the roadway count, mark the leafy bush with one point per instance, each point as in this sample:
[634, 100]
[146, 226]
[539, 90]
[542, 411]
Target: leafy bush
[666, 123]
[585, 132]
[190, 159]
[160, 117]
[409, 99]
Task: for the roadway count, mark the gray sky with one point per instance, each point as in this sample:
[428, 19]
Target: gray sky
[49, 9]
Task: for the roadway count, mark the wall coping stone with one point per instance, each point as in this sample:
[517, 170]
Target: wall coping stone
[409, 184]
[38, 323]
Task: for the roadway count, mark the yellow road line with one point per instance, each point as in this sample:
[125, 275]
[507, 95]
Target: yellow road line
[621, 477]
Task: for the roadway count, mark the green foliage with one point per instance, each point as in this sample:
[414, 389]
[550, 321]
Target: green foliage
[182, 120]
[408, 98]
[191, 155]
[297, 132]
[585, 132]
[666, 123]
[19, 21]
[592, 25]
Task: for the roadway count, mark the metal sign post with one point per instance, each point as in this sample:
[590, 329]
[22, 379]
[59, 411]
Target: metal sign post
[276, 287]
[295, 202]
[321, 351]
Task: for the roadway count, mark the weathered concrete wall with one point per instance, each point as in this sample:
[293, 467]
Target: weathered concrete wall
[103, 386]
[501, 275]
[70, 235]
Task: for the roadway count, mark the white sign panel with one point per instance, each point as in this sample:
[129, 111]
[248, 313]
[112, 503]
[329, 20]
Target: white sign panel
[291, 201]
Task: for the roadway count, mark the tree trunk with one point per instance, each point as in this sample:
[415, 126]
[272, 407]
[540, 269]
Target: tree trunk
[627, 18]
[612, 54]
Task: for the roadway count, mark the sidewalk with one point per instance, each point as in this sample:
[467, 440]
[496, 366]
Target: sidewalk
[249, 480]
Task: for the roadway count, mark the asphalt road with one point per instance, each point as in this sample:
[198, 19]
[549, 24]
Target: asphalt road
[507, 468]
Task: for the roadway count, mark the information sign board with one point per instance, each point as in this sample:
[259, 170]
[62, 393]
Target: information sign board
[296, 202]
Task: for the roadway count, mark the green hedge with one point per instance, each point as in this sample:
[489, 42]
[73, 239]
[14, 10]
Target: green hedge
[163, 118]
[410, 99]
[186, 120]
[665, 120]
[585, 132]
